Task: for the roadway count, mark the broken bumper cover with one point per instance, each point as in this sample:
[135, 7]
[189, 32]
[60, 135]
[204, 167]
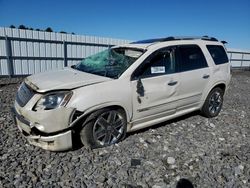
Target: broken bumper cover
[58, 141]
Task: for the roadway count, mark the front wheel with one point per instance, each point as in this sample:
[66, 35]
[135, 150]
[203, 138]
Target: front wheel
[106, 128]
[213, 103]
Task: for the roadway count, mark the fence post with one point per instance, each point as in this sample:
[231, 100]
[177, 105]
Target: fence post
[65, 53]
[9, 56]
[242, 57]
[231, 57]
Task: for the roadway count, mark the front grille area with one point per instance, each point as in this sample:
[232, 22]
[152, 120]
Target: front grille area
[24, 94]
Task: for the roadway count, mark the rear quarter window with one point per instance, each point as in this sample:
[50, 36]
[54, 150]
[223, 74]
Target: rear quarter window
[218, 54]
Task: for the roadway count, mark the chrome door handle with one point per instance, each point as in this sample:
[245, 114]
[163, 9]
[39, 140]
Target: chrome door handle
[172, 83]
[205, 76]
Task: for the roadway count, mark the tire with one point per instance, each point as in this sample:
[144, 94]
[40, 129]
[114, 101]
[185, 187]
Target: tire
[107, 127]
[213, 103]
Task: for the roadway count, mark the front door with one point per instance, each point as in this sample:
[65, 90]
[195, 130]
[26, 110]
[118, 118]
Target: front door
[154, 85]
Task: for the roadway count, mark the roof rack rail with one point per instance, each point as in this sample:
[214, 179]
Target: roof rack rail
[173, 39]
[190, 38]
[209, 38]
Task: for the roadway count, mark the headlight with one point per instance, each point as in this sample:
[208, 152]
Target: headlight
[53, 100]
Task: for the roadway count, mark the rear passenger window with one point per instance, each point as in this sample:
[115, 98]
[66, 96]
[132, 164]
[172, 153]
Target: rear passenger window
[191, 58]
[218, 54]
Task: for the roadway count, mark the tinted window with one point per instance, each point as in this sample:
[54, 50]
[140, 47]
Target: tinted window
[218, 54]
[191, 57]
[159, 63]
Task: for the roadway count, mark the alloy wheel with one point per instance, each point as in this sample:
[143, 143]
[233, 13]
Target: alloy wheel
[215, 103]
[109, 128]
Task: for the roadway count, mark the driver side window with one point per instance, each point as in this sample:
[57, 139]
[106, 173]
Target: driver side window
[159, 63]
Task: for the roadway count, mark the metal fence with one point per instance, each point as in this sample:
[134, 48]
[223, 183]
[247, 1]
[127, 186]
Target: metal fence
[25, 52]
[239, 59]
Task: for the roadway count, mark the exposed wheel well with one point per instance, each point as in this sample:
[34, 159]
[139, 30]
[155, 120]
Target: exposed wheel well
[90, 115]
[116, 107]
[221, 86]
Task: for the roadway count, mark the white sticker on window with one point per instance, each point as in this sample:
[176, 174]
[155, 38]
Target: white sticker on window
[157, 70]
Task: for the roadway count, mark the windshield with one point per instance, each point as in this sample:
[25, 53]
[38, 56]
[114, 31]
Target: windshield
[110, 63]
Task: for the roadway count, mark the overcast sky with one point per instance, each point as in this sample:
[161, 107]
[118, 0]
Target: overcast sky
[135, 19]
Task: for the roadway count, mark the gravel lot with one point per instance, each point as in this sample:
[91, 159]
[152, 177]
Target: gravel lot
[209, 152]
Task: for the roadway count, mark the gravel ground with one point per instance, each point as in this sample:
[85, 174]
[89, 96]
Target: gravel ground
[209, 152]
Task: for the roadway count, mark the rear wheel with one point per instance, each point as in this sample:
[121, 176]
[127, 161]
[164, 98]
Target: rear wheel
[213, 103]
[106, 128]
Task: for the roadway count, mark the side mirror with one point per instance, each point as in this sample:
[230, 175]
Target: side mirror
[139, 88]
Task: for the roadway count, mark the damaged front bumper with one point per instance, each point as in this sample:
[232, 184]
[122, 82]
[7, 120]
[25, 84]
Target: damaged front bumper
[56, 141]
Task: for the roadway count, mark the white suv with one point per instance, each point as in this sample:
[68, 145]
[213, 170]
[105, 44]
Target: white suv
[122, 89]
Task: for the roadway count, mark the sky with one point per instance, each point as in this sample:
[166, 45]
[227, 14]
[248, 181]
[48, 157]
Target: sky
[227, 20]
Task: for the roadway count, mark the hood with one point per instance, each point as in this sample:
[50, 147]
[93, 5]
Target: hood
[67, 78]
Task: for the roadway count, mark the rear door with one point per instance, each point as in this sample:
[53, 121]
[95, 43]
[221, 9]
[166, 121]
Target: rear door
[194, 76]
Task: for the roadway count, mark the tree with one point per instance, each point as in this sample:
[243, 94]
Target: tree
[12, 27]
[22, 27]
[63, 32]
[49, 29]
